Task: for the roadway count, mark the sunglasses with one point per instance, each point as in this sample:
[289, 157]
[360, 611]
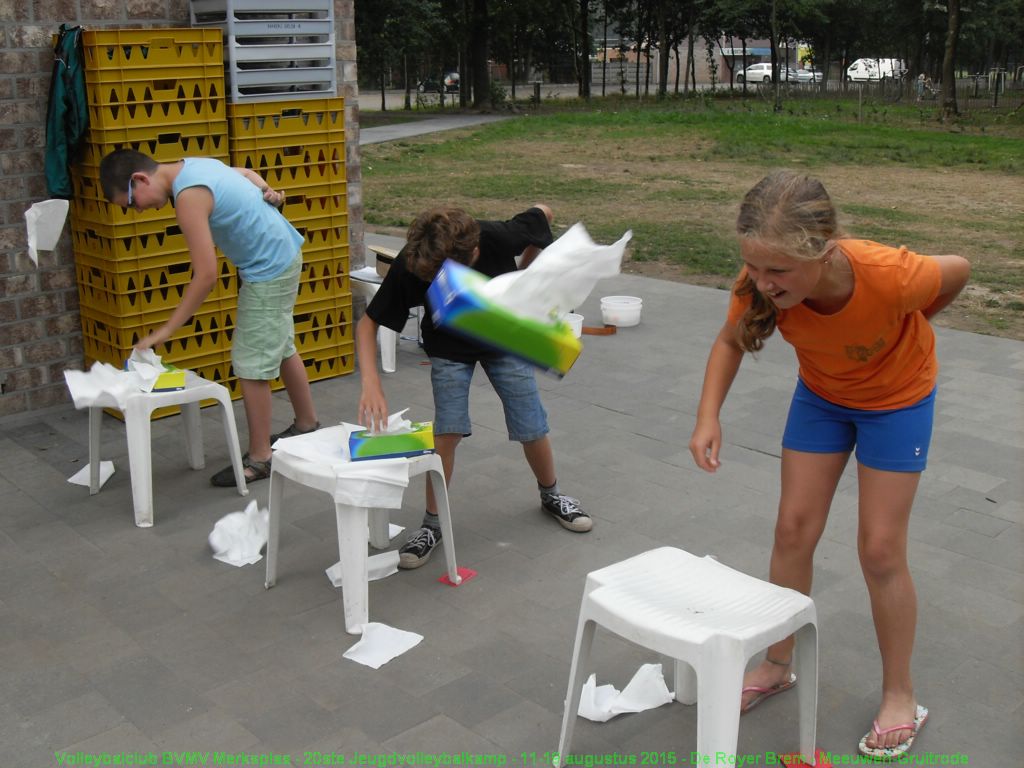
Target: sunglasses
[131, 190]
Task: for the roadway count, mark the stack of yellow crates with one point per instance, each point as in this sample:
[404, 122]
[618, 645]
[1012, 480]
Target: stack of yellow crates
[298, 147]
[161, 92]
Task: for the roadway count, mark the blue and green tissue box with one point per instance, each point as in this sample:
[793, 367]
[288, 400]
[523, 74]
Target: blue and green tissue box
[458, 306]
[171, 380]
[363, 445]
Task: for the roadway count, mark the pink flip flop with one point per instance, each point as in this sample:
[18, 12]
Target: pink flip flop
[896, 750]
[766, 692]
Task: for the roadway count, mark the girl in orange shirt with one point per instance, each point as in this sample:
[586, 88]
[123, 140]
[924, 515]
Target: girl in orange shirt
[856, 313]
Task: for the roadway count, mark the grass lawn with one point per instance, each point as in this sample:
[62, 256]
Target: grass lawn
[675, 172]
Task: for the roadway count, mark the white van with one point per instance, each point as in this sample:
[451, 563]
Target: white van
[875, 69]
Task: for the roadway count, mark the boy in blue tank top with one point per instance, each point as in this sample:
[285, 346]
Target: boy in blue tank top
[236, 210]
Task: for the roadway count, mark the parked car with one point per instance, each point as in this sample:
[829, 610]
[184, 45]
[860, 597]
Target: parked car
[429, 85]
[808, 76]
[875, 69]
[762, 73]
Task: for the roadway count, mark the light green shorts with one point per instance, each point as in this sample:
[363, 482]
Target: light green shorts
[264, 330]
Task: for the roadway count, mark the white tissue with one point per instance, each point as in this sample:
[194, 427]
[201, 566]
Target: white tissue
[44, 221]
[646, 690]
[377, 567]
[560, 278]
[238, 537]
[397, 425]
[375, 483]
[105, 385]
[380, 644]
[81, 477]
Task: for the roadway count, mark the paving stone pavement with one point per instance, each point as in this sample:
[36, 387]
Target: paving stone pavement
[118, 639]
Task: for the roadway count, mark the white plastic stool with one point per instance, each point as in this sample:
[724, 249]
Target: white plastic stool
[137, 410]
[356, 525]
[365, 282]
[711, 620]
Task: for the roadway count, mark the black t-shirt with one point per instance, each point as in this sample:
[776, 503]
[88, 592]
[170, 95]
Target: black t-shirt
[401, 290]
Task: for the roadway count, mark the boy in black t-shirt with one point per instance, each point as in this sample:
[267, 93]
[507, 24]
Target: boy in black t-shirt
[490, 247]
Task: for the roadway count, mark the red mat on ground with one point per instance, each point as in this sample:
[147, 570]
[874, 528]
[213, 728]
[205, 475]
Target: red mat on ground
[465, 573]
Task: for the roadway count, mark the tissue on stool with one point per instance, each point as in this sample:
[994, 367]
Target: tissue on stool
[238, 537]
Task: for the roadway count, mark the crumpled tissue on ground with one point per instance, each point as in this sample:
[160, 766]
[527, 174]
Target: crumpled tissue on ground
[238, 537]
[646, 690]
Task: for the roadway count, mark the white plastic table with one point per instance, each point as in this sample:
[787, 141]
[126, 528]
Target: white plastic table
[356, 524]
[138, 409]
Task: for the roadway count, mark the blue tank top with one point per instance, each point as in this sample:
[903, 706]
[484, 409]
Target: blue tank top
[253, 234]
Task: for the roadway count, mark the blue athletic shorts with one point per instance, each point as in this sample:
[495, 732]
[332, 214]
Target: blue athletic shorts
[511, 378]
[895, 440]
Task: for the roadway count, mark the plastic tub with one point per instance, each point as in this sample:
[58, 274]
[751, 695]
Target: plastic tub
[621, 311]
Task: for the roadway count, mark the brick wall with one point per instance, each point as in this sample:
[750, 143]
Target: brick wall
[40, 333]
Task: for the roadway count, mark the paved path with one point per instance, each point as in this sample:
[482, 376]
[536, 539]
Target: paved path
[421, 127]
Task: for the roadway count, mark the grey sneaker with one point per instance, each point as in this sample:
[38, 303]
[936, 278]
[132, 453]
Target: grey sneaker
[292, 431]
[417, 548]
[567, 511]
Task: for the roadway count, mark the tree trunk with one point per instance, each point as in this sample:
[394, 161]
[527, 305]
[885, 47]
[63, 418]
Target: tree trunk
[776, 85]
[584, 49]
[949, 108]
[481, 54]
[662, 52]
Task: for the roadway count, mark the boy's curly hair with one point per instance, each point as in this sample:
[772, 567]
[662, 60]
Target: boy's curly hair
[793, 214]
[438, 234]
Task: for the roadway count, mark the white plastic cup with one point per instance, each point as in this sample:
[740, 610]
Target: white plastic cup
[575, 322]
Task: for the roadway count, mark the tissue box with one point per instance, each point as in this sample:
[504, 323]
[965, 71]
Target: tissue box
[362, 445]
[458, 306]
[170, 380]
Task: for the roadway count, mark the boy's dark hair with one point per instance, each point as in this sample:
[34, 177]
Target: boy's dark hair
[117, 167]
[438, 234]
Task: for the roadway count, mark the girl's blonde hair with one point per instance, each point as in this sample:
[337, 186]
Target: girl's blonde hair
[791, 213]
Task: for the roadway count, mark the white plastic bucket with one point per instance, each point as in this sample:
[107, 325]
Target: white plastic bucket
[576, 323]
[621, 311]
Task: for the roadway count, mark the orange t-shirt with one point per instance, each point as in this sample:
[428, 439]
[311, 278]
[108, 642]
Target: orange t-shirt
[878, 351]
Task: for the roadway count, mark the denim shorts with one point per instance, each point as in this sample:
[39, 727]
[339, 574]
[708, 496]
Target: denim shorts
[264, 330]
[511, 378]
[895, 441]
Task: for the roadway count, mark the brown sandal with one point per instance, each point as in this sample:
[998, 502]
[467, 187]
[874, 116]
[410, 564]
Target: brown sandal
[226, 477]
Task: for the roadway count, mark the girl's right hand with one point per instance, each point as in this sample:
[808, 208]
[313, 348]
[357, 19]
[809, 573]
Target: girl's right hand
[705, 444]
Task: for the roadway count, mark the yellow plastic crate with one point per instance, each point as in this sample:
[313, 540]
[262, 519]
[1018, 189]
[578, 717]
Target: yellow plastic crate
[315, 212]
[320, 180]
[328, 363]
[112, 339]
[328, 336]
[303, 152]
[115, 50]
[155, 114]
[196, 138]
[255, 125]
[333, 237]
[97, 273]
[118, 304]
[322, 280]
[315, 316]
[184, 84]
